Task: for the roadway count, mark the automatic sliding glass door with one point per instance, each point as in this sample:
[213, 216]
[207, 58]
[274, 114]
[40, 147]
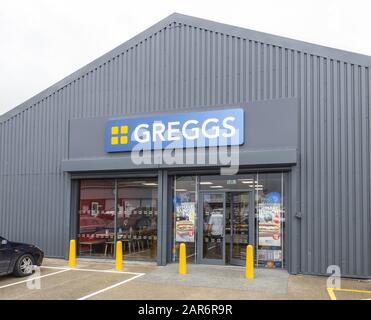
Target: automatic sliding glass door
[239, 226]
[226, 226]
[212, 227]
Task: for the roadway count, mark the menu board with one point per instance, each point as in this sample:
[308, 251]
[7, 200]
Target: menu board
[270, 224]
[185, 222]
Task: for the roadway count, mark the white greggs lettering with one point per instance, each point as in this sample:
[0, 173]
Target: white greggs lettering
[190, 130]
[202, 129]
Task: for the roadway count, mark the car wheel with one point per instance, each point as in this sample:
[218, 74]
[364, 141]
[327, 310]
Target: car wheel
[24, 266]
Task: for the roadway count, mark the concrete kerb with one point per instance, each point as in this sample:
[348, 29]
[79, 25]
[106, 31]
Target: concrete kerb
[92, 270]
[112, 261]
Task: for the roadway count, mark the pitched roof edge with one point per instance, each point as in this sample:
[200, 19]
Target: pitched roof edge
[305, 47]
[157, 27]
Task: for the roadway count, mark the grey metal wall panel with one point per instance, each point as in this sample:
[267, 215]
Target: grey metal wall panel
[187, 62]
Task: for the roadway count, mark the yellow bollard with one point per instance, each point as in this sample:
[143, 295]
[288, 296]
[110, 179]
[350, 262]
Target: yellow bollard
[72, 256]
[249, 262]
[119, 255]
[182, 259]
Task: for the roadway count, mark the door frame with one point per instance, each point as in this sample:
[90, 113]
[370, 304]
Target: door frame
[200, 226]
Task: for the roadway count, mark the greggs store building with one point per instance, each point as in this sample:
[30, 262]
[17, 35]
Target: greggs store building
[200, 133]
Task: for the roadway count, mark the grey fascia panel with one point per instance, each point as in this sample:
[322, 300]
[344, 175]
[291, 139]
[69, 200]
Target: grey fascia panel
[82, 165]
[269, 157]
[247, 158]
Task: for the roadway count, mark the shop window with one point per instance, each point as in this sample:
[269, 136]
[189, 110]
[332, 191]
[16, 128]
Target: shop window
[96, 218]
[270, 207]
[137, 218]
[133, 221]
[184, 216]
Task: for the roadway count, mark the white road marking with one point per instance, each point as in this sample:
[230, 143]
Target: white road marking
[94, 270]
[64, 269]
[111, 287]
[34, 278]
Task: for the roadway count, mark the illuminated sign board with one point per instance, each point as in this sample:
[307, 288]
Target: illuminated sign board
[181, 130]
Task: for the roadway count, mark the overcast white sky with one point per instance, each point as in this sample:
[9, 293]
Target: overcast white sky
[42, 41]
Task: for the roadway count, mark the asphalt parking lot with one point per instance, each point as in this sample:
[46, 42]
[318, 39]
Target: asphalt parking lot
[99, 280]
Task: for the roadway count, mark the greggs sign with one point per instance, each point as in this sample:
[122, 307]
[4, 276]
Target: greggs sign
[182, 130]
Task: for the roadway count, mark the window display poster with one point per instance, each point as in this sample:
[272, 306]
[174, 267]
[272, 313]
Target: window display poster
[270, 224]
[271, 258]
[185, 222]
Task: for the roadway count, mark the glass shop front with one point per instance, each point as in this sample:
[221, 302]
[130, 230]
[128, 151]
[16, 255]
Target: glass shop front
[218, 216]
[133, 221]
[215, 216]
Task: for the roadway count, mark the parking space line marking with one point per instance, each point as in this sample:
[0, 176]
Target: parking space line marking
[31, 279]
[352, 290]
[333, 296]
[111, 287]
[94, 270]
[331, 293]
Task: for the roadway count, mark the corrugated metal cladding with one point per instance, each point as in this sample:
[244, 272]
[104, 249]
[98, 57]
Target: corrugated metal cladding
[187, 62]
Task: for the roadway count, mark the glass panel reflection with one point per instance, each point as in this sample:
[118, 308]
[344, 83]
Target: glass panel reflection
[239, 225]
[217, 183]
[96, 218]
[135, 223]
[185, 217]
[137, 218]
[213, 222]
[270, 224]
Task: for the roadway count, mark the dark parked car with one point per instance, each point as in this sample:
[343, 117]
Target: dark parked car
[19, 258]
